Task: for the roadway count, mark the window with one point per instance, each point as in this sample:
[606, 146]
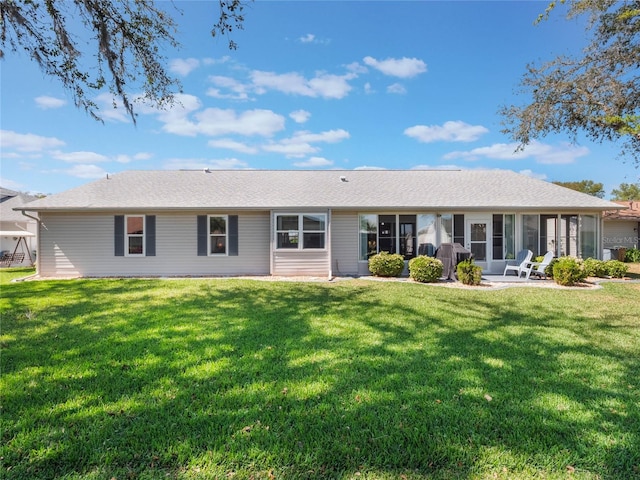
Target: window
[427, 234]
[588, 236]
[458, 229]
[134, 235]
[389, 233]
[446, 228]
[510, 236]
[301, 231]
[217, 235]
[503, 236]
[569, 235]
[368, 236]
[530, 233]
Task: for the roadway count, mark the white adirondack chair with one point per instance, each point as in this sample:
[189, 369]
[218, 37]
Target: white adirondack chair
[537, 269]
[519, 265]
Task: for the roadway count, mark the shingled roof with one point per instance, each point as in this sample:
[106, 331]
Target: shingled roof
[336, 189]
[630, 211]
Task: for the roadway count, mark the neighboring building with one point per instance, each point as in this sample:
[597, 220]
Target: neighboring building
[17, 232]
[621, 227]
[321, 223]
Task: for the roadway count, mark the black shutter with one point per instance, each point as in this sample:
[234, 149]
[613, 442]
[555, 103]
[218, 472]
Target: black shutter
[150, 235]
[233, 235]
[202, 236]
[118, 235]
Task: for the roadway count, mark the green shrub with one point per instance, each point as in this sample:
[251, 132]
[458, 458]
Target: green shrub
[594, 268]
[568, 271]
[615, 268]
[469, 273]
[386, 264]
[632, 255]
[425, 269]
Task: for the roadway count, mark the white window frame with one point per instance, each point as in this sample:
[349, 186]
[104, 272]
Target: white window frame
[211, 236]
[300, 231]
[128, 236]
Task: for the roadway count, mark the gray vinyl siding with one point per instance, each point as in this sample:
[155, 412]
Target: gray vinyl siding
[301, 262]
[344, 243]
[620, 233]
[83, 245]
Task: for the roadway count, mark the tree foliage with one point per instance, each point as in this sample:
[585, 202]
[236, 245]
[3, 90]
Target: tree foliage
[585, 186]
[90, 45]
[596, 93]
[626, 191]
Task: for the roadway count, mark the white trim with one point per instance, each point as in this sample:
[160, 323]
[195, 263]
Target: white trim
[210, 235]
[300, 231]
[128, 236]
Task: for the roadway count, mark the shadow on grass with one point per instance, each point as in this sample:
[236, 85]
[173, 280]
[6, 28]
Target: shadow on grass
[252, 379]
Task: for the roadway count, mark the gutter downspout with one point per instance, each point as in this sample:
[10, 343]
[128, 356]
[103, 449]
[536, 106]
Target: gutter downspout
[39, 223]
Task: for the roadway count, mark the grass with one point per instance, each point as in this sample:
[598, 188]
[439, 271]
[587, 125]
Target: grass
[8, 274]
[191, 379]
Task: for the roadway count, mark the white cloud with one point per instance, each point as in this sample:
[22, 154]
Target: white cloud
[230, 144]
[396, 88]
[308, 38]
[356, 68]
[27, 142]
[542, 153]
[239, 90]
[367, 167]
[123, 158]
[397, 67]
[216, 61]
[300, 144]
[183, 66]
[314, 162]
[437, 167]
[532, 174]
[300, 116]
[330, 136]
[44, 102]
[86, 171]
[290, 149]
[80, 157]
[368, 89]
[215, 121]
[311, 38]
[201, 164]
[112, 109]
[448, 132]
[322, 85]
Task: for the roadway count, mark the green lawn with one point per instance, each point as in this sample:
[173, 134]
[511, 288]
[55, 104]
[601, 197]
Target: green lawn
[191, 379]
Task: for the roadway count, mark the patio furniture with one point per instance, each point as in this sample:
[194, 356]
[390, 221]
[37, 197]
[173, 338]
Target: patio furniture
[10, 258]
[450, 254]
[537, 269]
[519, 265]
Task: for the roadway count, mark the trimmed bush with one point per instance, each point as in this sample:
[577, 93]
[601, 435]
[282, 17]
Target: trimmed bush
[469, 273]
[632, 255]
[386, 264]
[615, 268]
[594, 268]
[568, 271]
[425, 269]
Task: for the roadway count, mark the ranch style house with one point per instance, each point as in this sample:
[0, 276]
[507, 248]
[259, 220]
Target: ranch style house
[311, 223]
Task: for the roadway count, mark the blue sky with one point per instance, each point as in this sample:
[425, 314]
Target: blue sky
[313, 85]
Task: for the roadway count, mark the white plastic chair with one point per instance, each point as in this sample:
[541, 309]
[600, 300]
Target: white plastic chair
[520, 263]
[538, 268]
